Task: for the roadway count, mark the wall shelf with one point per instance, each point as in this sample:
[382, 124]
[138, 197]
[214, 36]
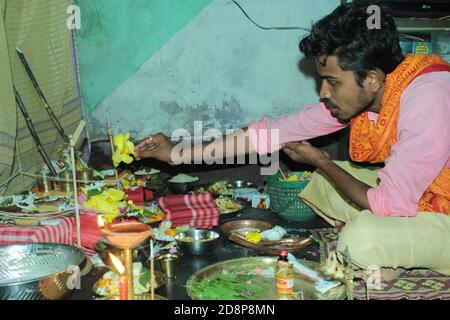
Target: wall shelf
[421, 25]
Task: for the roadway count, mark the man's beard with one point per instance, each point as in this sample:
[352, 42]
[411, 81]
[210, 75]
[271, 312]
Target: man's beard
[364, 102]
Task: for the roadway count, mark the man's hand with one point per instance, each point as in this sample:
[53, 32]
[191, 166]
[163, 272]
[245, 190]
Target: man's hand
[304, 152]
[351, 187]
[157, 146]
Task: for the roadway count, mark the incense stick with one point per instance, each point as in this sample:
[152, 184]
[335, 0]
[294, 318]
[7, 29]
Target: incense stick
[152, 271]
[111, 142]
[281, 171]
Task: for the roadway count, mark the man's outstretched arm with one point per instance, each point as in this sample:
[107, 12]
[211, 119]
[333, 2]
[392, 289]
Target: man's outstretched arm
[159, 146]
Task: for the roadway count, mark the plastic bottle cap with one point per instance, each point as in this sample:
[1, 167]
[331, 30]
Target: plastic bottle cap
[283, 253]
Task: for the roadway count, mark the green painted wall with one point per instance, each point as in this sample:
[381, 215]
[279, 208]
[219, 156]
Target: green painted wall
[118, 36]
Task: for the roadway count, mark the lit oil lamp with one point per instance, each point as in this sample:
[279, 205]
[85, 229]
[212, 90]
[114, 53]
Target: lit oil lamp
[127, 236]
[123, 278]
[100, 222]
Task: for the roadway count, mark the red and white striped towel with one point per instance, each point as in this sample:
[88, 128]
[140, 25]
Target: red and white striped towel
[61, 233]
[64, 232]
[195, 210]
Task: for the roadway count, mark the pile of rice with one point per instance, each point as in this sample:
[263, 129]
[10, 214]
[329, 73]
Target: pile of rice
[183, 178]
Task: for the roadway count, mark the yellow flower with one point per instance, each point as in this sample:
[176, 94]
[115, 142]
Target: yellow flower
[101, 203]
[306, 174]
[113, 194]
[253, 237]
[107, 201]
[125, 183]
[124, 149]
[171, 232]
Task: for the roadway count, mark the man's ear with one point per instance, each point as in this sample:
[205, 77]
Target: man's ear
[375, 80]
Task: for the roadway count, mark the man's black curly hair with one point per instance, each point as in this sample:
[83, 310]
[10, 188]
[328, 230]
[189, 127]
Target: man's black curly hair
[344, 33]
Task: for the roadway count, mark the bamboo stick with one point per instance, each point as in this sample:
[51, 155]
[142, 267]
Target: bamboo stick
[75, 190]
[41, 95]
[34, 133]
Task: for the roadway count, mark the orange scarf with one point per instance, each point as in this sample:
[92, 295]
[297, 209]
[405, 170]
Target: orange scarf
[372, 143]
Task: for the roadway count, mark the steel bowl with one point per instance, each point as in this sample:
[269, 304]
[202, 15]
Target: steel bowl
[39, 271]
[156, 175]
[240, 184]
[200, 241]
[181, 187]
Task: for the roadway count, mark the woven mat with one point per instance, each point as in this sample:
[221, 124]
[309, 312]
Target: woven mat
[411, 284]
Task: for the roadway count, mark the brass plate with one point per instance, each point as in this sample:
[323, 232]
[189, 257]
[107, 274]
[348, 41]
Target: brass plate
[244, 226]
[145, 296]
[272, 247]
[303, 289]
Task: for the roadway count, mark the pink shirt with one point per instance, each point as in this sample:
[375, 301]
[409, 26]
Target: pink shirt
[421, 152]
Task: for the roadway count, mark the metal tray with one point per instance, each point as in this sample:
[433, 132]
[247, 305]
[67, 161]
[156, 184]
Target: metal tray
[303, 289]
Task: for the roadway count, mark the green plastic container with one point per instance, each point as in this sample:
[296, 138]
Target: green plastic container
[284, 199]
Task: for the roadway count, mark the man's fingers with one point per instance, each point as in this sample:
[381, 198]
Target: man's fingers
[145, 142]
[140, 145]
[288, 151]
[145, 147]
[290, 145]
[306, 142]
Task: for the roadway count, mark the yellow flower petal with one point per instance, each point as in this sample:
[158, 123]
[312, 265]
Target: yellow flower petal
[117, 158]
[124, 149]
[118, 140]
[129, 147]
[114, 194]
[253, 237]
[127, 159]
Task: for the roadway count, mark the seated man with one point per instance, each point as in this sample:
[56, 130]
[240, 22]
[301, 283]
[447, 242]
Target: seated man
[398, 108]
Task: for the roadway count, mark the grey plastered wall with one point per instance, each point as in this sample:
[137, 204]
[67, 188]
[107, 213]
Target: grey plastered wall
[219, 69]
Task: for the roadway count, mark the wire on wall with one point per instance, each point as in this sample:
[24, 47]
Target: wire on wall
[268, 28]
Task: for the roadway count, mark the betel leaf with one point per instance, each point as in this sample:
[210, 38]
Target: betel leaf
[145, 277]
[6, 201]
[227, 287]
[94, 192]
[150, 212]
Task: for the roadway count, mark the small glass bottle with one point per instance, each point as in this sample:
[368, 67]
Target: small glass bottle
[284, 278]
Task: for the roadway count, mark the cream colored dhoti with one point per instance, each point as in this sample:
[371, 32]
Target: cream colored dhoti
[388, 242]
